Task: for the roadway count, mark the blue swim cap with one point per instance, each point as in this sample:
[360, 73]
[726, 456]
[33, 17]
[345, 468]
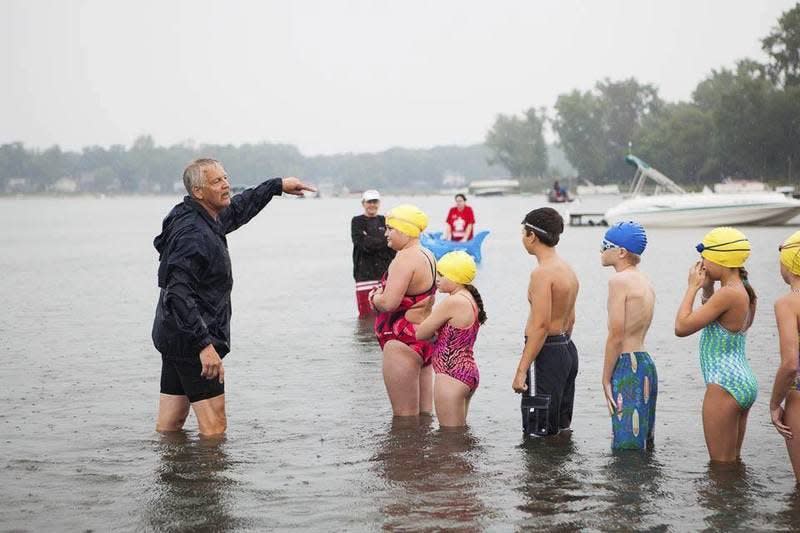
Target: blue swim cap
[629, 235]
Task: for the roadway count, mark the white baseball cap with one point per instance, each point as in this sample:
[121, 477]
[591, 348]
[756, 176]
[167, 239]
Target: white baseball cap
[370, 194]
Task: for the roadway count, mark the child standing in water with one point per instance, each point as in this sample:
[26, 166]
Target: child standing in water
[455, 322]
[787, 385]
[630, 382]
[552, 291]
[724, 316]
[403, 300]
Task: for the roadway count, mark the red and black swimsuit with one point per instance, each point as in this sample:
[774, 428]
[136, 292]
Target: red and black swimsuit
[393, 325]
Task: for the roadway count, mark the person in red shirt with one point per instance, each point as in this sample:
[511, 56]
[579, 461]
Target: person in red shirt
[460, 221]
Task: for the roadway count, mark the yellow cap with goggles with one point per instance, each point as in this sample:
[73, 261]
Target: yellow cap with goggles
[790, 253]
[407, 219]
[725, 246]
[458, 267]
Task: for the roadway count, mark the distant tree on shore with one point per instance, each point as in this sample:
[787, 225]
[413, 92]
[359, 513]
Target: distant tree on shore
[518, 144]
[782, 45]
[595, 127]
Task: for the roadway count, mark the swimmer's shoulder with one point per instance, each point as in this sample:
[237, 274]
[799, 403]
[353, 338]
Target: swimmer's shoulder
[788, 303]
[619, 280]
[458, 302]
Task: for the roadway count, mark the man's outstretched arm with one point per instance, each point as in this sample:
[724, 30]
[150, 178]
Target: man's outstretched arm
[245, 205]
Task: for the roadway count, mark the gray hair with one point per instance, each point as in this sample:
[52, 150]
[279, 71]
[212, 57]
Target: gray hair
[194, 175]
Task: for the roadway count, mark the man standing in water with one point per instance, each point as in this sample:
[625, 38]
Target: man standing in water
[192, 322]
[552, 291]
[371, 252]
[630, 382]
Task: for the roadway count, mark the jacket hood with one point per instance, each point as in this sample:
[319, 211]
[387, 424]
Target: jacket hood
[179, 218]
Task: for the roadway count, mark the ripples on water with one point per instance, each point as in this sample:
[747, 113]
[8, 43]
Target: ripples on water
[311, 443]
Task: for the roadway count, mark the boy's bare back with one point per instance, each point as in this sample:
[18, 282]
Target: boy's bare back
[556, 279]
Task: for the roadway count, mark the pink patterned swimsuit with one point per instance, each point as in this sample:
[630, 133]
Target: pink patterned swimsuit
[453, 354]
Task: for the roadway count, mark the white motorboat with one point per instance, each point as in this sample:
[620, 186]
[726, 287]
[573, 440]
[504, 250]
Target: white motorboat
[739, 186]
[678, 208]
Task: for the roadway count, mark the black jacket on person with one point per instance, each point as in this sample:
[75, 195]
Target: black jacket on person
[371, 254]
[194, 273]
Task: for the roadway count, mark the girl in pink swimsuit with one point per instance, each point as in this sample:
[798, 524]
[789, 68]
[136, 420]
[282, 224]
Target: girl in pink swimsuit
[455, 322]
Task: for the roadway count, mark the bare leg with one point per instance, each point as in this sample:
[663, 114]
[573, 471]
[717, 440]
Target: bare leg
[426, 390]
[211, 416]
[792, 419]
[742, 429]
[451, 401]
[172, 412]
[466, 403]
[401, 375]
[721, 416]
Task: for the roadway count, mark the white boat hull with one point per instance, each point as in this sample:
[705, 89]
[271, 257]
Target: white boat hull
[697, 209]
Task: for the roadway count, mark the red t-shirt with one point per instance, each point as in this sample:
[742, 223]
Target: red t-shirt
[458, 222]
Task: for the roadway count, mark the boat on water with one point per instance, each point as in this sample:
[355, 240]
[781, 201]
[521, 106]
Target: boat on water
[739, 186]
[494, 187]
[434, 242]
[558, 194]
[555, 198]
[678, 208]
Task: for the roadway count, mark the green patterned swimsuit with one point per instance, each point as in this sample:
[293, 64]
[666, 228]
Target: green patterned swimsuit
[723, 362]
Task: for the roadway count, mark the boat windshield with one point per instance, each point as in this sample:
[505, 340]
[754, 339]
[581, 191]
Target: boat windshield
[645, 171]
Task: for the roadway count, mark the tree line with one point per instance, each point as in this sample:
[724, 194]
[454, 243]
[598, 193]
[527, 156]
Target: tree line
[742, 122]
[145, 167]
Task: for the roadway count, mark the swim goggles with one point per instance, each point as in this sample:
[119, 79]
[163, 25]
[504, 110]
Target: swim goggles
[535, 228]
[716, 247]
[782, 247]
[607, 245]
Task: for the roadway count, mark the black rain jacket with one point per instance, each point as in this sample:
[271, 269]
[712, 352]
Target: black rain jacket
[194, 273]
[371, 253]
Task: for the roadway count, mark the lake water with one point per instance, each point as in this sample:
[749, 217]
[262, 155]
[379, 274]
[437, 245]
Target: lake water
[311, 443]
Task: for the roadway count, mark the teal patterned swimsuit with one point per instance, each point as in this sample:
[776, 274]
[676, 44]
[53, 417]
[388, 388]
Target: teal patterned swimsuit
[634, 384]
[723, 362]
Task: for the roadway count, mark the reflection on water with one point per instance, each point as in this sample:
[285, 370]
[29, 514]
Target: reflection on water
[190, 489]
[551, 486]
[789, 517]
[635, 481]
[728, 493]
[430, 476]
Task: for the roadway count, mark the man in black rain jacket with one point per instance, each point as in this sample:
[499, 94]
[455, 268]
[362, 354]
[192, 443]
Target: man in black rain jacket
[191, 329]
[371, 252]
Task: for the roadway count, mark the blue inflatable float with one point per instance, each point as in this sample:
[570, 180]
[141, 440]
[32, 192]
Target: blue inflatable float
[439, 246]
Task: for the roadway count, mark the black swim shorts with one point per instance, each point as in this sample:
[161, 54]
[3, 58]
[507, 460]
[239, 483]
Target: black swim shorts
[555, 369]
[181, 377]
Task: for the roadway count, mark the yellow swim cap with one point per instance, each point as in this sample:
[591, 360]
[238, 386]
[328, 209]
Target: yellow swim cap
[407, 219]
[790, 253]
[458, 267]
[725, 246]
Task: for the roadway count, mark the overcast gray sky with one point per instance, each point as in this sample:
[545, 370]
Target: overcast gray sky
[335, 76]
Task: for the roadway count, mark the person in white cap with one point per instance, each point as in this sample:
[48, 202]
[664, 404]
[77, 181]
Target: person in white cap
[371, 253]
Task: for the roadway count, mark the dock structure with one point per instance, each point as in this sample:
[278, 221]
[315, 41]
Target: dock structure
[587, 219]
